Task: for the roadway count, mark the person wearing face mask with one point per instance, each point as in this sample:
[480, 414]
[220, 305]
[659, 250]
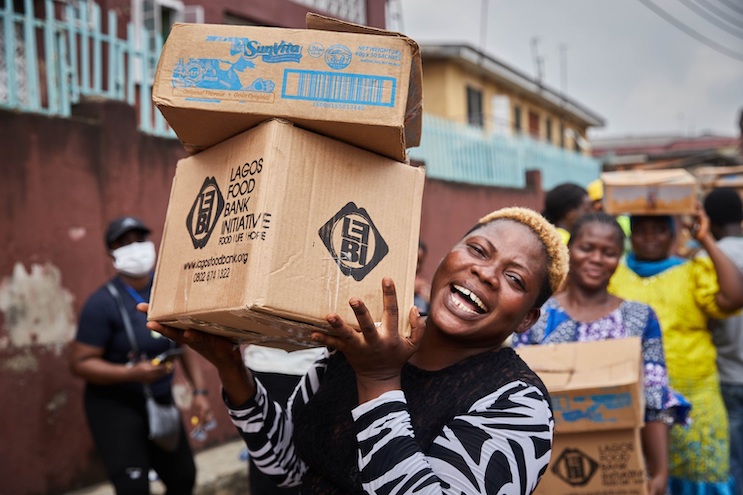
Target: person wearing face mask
[117, 375]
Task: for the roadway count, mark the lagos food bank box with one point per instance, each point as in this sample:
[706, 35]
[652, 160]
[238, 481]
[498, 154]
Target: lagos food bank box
[272, 229]
[354, 83]
[598, 404]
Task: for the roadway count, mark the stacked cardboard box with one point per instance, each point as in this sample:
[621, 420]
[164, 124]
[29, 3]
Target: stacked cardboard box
[357, 84]
[598, 403]
[713, 177]
[287, 209]
[649, 192]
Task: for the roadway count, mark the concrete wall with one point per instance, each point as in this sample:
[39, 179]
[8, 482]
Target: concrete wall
[62, 181]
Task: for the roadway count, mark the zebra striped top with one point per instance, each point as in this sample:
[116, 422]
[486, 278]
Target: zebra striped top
[481, 426]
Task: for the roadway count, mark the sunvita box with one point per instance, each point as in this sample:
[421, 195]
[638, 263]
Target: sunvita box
[353, 83]
[649, 192]
[598, 403]
[272, 229]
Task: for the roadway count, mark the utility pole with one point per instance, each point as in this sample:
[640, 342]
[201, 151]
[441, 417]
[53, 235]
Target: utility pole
[563, 70]
[483, 24]
[538, 61]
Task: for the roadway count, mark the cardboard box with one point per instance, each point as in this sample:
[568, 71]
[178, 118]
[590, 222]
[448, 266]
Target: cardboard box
[713, 177]
[649, 192]
[357, 84]
[594, 386]
[269, 231]
[599, 407]
[605, 463]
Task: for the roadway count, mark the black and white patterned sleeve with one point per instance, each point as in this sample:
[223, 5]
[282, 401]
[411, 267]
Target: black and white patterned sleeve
[502, 445]
[267, 428]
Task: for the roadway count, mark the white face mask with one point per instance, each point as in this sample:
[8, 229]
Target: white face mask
[135, 260]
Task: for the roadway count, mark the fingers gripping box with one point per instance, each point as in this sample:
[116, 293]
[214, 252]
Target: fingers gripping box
[272, 229]
[354, 83]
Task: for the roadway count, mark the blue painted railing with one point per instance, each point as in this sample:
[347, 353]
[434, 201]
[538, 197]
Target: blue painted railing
[461, 153]
[48, 64]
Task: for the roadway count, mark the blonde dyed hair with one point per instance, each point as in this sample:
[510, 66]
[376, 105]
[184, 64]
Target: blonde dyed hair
[557, 252]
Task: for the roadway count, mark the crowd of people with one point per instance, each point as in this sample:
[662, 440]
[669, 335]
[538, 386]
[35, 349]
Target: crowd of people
[451, 408]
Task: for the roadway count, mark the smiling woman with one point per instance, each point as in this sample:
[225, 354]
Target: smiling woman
[586, 312]
[447, 410]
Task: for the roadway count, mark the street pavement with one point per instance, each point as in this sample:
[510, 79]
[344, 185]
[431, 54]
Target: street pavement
[219, 472]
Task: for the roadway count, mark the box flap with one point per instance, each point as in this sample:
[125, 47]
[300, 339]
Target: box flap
[648, 177]
[582, 365]
[593, 385]
[414, 108]
[324, 23]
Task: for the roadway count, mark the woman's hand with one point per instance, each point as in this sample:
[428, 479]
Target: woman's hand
[657, 485]
[145, 372]
[376, 352]
[202, 409]
[225, 355]
[699, 225]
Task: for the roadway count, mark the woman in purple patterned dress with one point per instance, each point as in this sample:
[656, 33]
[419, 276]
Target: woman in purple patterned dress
[585, 311]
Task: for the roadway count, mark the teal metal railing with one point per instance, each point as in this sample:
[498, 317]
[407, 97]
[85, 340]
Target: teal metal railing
[461, 153]
[48, 63]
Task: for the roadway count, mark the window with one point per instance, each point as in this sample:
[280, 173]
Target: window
[501, 114]
[548, 129]
[562, 134]
[474, 107]
[534, 124]
[153, 20]
[517, 119]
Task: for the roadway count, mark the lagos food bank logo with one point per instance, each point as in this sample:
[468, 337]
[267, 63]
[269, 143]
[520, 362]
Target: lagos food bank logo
[574, 467]
[205, 212]
[353, 241]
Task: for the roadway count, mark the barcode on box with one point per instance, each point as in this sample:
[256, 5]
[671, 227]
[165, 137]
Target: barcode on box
[358, 89]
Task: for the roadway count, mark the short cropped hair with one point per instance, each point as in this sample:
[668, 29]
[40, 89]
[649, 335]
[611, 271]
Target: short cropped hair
[562, 199]
[724, 206]
[557, 252]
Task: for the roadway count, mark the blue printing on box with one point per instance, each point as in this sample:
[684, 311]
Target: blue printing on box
[591, 408]
[331, 87]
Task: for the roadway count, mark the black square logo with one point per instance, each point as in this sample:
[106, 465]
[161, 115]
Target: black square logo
[574, 467]
[205, 212]
[353, 241]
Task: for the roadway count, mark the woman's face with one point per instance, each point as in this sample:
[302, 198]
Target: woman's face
[485, 288]
[651, 238]
[594, 256]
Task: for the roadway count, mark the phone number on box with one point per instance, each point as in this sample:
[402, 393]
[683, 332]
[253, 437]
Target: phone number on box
[209, 275]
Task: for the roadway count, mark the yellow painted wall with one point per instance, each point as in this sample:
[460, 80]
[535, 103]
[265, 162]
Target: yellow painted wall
[445, 95]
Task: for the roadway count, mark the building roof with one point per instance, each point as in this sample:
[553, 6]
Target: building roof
[479, 62]
[661, 144]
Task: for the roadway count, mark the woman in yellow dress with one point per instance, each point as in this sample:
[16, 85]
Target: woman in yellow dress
[685, 293]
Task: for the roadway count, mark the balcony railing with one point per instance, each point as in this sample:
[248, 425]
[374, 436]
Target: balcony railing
[461, 153]
[48, 64]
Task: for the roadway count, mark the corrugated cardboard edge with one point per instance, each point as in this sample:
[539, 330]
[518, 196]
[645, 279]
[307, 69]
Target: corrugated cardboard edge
[414, 106]
[160, 72]
[648, 177]
[153, 307]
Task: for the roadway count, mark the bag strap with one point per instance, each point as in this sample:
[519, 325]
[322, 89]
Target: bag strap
[127, 326]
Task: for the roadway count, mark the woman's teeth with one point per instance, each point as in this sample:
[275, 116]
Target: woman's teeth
[472, 297]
